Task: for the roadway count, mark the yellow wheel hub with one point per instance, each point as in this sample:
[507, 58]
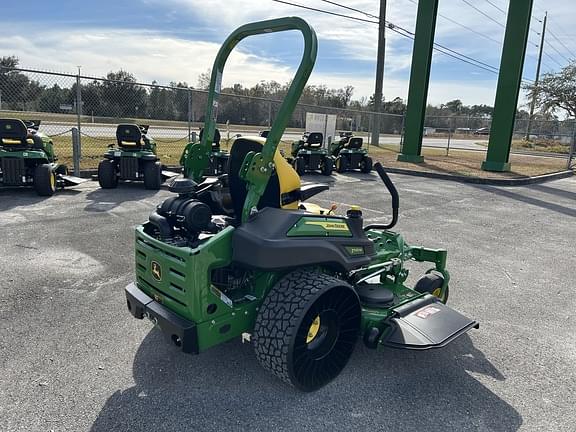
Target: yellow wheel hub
[313, 330]
[437, 292]
[53, 181]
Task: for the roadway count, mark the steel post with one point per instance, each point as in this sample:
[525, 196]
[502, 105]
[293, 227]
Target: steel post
[419, 80]
[509, 80]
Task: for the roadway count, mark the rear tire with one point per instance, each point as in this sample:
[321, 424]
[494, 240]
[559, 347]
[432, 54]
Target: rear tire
[366, 165]
[300, 166]
[152, 175]
[327, 166]
[341, 164]
[307, 328]
[44, 180]
[431, 283]
[107, 176]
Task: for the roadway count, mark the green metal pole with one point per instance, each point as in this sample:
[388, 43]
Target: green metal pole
[419, 79]
[509, 80]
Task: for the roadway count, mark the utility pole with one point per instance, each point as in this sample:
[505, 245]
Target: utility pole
[533, 103]
[379, 73]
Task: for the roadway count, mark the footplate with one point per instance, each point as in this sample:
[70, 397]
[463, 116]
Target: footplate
[424, 324]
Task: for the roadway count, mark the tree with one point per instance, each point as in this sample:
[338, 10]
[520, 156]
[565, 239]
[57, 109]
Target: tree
[556, 91]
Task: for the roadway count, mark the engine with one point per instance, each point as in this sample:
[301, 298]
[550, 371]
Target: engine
[181, 220]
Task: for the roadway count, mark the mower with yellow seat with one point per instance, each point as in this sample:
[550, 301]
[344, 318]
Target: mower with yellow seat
[27, 158]
[243, 255]
[132, 157]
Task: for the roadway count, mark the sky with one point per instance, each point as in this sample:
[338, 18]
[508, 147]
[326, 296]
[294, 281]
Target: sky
[176, 40]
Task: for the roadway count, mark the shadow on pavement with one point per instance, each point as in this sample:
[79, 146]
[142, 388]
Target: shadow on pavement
[11, 197]
[549, 205]
[226, 389]
[103, 200]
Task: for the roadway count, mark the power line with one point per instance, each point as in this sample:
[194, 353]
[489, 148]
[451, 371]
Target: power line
[485, 36]
[557, 52]
[484, 13]
[562, 43]
[407, 33]
[326, 12]
[553, 59]
[497, 7]
[403, 32]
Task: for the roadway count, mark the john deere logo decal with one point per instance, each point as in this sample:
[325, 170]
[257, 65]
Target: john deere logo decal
[156, 270]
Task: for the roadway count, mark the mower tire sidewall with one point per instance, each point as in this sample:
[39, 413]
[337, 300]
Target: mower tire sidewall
[431, 282]
[300, 165]
[341, 164]
[327, 166]
[152, 175]
[44, 180]
[312, 317]
[366, 165]
[107, 176]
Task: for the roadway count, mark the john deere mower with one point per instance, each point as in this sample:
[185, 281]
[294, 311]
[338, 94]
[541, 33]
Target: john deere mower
[299, 282]
[349, 154]
[27, 158]
[308, 155]
[218, 157]
[132, 157]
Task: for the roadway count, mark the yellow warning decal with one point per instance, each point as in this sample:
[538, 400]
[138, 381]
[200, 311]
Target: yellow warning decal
[330, 226]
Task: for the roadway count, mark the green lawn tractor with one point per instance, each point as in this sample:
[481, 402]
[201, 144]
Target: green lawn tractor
[349, 154]
[302, 284]
[218, 157]
[309, 155]
[132, 157]
[27, 158]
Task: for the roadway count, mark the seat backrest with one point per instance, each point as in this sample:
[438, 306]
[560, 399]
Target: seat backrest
[215, 141]
[129, 135]
[354, 143]
[283, 187]
[14, 132]
[314, 139]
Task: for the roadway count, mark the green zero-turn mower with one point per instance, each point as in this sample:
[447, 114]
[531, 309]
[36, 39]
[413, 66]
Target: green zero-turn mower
[27, 158]
[218, 157]
[308, 155]
[303, 285]
[349, 154]
[132, 157]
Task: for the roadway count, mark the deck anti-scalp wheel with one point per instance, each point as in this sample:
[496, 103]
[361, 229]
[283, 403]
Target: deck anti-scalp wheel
[307, 328]
[431, 283]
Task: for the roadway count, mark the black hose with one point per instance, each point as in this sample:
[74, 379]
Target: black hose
[393, 193]
[161, 224]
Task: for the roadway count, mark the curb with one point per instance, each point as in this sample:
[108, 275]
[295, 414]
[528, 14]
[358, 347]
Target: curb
[462, 179]
[486, 181]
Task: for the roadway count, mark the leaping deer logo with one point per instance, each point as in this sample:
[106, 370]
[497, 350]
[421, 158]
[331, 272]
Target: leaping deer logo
[156, 270]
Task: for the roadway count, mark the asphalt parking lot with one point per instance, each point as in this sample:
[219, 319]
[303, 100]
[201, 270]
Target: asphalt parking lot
[73, 359]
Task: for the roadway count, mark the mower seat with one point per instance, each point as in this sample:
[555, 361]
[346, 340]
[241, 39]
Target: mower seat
[129, 136]
[215, 141]
[313, 139]
[14, 134]
[354, 143]
[272, 195]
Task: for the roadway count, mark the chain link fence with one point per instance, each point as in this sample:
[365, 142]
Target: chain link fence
[94, 106]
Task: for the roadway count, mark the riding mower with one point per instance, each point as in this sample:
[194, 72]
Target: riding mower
[218, 157]
[299, 282]
[27, 158]
[309, 155]
[132, 157]
[349, 154]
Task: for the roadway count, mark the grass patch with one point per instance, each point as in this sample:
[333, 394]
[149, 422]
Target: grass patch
[458, 162]
[468, 163]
